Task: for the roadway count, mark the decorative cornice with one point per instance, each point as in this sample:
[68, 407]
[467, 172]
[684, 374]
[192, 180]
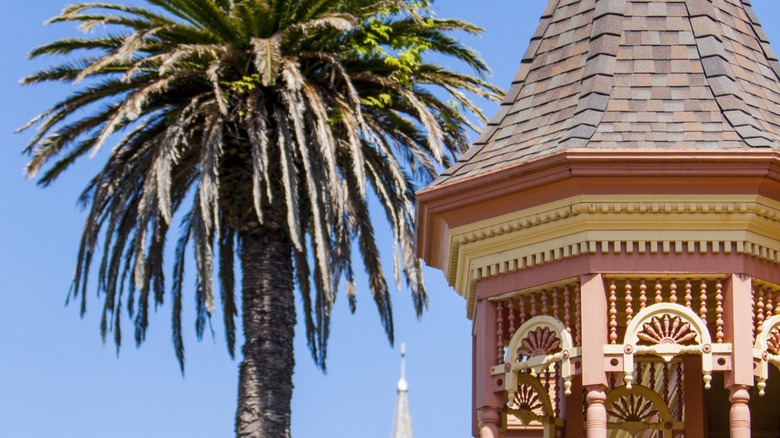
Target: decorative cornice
[587, 172]
[626, 225]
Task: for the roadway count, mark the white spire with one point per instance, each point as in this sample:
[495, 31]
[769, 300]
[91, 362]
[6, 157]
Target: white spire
[402, 423]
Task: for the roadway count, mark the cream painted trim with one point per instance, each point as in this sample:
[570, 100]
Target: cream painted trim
[585, 224]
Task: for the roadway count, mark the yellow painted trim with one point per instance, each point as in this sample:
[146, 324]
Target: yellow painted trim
[744, 224]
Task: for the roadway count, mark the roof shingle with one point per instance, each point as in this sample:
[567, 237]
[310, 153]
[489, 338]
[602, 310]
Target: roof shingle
[635, 74]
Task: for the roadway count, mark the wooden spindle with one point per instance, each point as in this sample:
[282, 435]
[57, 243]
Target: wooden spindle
[753, 316]
[770, 307]
[557, 390]
[666, 383]
[578, 315]
[638, 378]
[688, 294]
[533, 305]
[760, 311]
[719, 312]
[659, 291]
[500, 332]
[673, 292]
[703, 300]
[522, 310]
[612, 313]
[547, 379]
[629, 302]
[544, 303]
[777, 303]
[511, 317]
[567, 309]
[651, 365]
[680, 391]
[555, 308]
[642, 295]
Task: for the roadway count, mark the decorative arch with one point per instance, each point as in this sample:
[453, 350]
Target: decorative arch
[635, 409]
[531, 402]
[533, 337]
[538, 343]
[667, 330]
[767, 350]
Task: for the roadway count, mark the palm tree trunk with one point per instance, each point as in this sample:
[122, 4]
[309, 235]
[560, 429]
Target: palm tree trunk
[268, 313]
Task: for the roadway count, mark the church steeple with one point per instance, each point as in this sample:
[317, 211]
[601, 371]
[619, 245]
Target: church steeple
[402, 422]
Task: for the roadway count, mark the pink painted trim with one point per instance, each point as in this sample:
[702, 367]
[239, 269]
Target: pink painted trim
[485, 356]
[738, 313]
[686, 265]
[594, 333]
[574, 173]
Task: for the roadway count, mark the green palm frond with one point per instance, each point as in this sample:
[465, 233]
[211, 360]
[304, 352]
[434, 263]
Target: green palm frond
[244, 117]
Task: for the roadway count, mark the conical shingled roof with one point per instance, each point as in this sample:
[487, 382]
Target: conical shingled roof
[635, 75]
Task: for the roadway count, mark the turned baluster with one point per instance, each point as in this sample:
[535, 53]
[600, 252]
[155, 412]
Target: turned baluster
[642, 295]
[522, 311]
[719, 312]
[753, 313]
[665, 381]
[760, 311]
[557, 390]
[544, 303]
[651, 365]
[777, 303]
[688, 294]
[658, 291]
[629, 299]
[555, 308]
[533, 305]
[547, 379]
[770, 307]
[703, 301]
[567, 309]
[578, 315]
[500, 332]
[511, 317]
[673, 292]
[612, 313]
[638, 378]
[680, 392]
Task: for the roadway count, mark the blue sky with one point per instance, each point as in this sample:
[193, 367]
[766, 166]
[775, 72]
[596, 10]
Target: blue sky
[57, 379]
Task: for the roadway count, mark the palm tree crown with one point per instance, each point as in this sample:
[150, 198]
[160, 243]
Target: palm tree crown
[247, 118]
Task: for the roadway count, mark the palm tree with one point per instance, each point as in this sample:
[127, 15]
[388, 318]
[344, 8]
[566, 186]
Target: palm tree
[263, 127]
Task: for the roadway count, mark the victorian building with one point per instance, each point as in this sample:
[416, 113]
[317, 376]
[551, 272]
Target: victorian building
[615, 231]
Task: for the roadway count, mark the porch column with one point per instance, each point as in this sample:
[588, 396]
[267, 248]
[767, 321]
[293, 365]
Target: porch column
[594, 337]
[597, 412]
[739, 415]
[489, 423]
[738, 312]
[488, 403]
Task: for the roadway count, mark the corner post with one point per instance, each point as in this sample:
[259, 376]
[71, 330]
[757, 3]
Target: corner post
[739, 414]
[594, 337]
[488, 403]
[597, 413]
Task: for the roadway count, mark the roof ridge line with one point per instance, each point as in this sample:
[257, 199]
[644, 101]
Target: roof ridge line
[721, 80]
[758, 30]
[509, 98]
[522, 72]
